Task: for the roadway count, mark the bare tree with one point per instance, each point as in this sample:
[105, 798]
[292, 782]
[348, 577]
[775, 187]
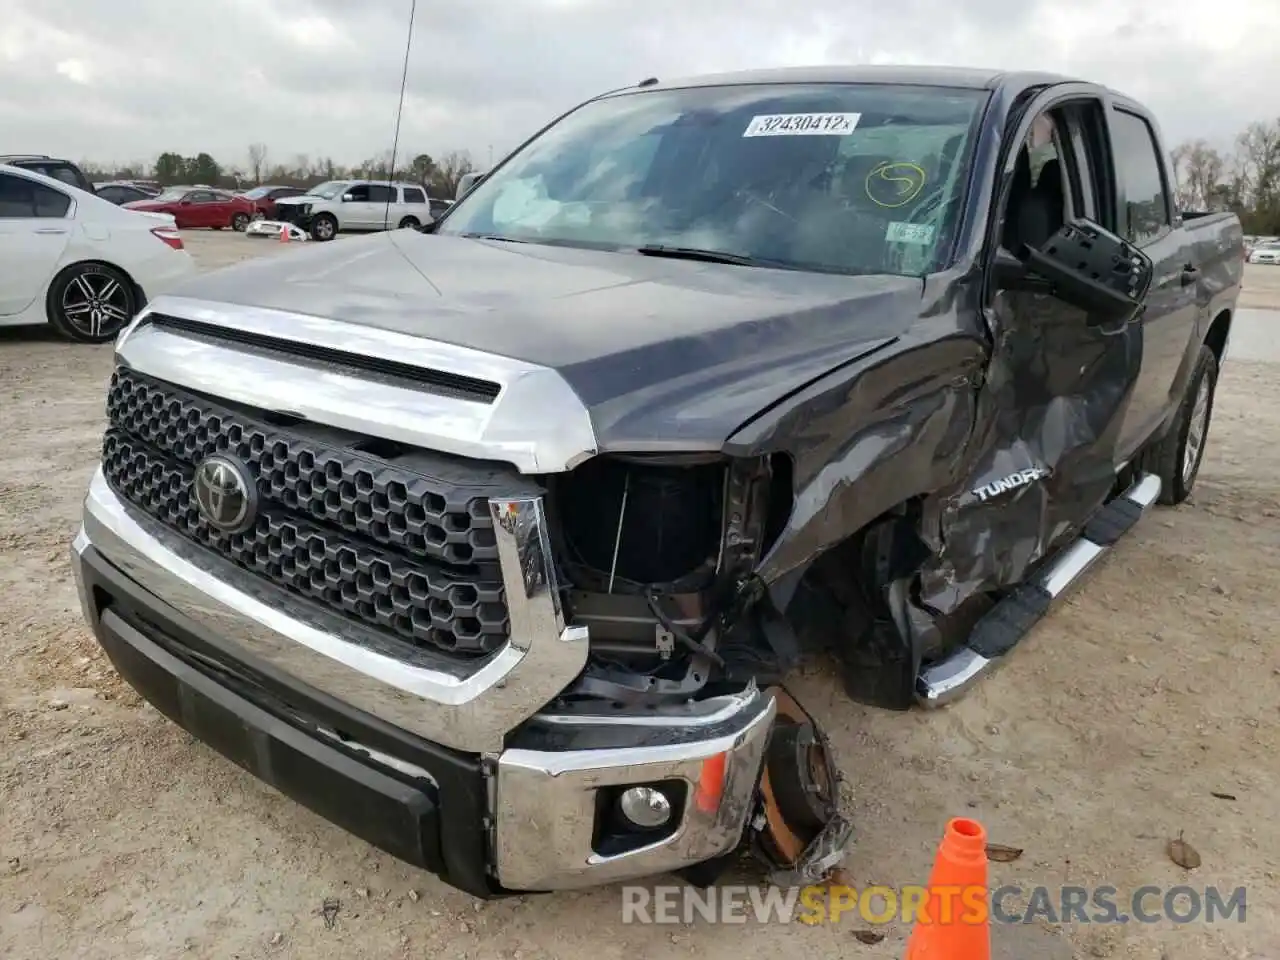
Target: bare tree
[1259, 151]
[258, 160]
[450, 169]
[1199, 170]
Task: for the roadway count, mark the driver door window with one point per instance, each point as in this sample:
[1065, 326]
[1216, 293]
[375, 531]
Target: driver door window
[356, 212]
[1039, 200]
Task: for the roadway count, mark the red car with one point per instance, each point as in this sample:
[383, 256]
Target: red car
[200, 207]
[264, 198]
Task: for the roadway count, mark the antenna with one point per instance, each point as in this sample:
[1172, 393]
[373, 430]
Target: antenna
[395, 142]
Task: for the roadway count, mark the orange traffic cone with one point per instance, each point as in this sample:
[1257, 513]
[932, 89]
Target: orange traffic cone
[284, 233]
[955, 923]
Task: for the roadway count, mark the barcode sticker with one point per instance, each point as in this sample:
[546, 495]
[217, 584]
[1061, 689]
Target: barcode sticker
[802, 125]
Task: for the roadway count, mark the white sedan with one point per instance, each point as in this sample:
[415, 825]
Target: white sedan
[78, 262]
[1266, 252]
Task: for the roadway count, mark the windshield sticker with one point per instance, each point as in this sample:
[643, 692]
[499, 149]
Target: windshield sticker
[802, 125]
[920, 234]
[895, 184]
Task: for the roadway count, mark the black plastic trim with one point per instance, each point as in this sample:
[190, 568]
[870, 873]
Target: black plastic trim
[1010, 620]
[257, 716]
[441, 381]
[1113, 521]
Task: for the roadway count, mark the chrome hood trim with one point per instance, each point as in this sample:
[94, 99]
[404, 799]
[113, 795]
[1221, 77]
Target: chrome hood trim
[537, 422]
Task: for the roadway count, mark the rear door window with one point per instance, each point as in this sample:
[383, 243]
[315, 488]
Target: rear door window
[22, 199]
[1146, 198]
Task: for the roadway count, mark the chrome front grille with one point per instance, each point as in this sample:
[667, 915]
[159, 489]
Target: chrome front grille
[400, 539]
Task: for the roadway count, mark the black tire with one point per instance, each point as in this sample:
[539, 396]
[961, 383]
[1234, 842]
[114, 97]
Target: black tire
[239, 222]
[324, 227]
[409, 223]
[1176, 458]
[91, 303]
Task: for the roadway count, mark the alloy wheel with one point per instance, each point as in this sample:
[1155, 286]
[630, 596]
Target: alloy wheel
[94, 302]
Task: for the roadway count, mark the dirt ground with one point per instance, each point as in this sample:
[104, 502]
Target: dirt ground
[1144, 708]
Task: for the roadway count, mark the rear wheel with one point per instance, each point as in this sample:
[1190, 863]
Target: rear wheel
[239, 221]
[1176, 458]
[91, 303]
[324, 227]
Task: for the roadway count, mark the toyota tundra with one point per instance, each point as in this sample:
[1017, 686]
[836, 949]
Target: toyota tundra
[495, 541]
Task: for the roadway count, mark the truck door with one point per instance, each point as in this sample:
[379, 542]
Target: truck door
[1057, 387]
[1146, 219]
[357, 213]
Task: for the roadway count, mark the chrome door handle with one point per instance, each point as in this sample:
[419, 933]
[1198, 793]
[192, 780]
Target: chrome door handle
[51, 230]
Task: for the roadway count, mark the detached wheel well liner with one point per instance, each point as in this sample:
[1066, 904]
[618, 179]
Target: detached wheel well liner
[843, 602]
[1219, 331]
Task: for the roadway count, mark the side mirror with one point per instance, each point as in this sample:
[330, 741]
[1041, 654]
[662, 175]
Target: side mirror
[1087, 266]
[348, 197]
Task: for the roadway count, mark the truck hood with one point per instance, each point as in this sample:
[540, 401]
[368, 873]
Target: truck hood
[663, 353]
[304, 198]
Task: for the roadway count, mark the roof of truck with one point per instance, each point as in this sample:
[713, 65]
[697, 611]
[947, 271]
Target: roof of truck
[975, 78]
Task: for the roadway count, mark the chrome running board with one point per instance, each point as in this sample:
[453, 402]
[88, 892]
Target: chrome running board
[999, 631]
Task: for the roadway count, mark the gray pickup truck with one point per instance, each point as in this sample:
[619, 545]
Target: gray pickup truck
[493, 542]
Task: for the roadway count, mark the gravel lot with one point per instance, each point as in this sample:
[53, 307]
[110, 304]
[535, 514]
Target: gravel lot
[1142, 709]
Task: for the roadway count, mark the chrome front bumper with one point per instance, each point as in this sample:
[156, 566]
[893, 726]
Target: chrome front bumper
[543, 807]
[546, 809]
[463, 706]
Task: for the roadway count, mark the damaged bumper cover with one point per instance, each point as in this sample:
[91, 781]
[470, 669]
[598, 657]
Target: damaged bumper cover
[342, 727]
[297, 229]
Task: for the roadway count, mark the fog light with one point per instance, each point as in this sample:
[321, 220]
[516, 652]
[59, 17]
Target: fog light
[645, 807]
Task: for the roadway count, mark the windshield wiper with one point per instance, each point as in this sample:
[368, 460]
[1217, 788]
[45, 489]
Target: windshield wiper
[491, 236]
[706, 256]
[742, 260]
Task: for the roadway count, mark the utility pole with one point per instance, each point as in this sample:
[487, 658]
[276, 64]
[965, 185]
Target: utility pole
[491, 156]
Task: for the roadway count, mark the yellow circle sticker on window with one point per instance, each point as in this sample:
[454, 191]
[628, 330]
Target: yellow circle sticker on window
[895, 184]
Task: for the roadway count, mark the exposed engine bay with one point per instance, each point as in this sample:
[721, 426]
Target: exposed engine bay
[660, 553]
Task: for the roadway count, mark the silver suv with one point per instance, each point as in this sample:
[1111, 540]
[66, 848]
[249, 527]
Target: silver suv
[337, 205]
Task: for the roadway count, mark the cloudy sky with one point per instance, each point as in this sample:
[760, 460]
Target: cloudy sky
[122, 80]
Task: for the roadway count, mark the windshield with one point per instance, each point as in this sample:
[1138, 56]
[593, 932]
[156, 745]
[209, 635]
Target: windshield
[848, 178]
[329, 189]
[257, 193]
[170, 195]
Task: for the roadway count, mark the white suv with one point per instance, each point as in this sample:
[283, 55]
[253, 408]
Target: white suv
[339, 205]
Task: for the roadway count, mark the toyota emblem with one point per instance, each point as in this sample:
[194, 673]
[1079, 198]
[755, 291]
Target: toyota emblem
[225, 494]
